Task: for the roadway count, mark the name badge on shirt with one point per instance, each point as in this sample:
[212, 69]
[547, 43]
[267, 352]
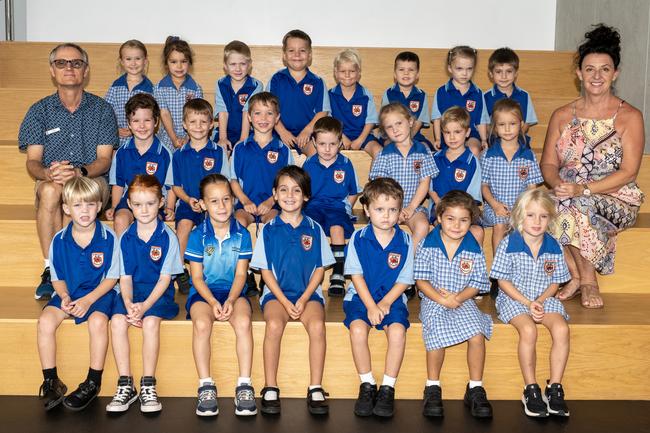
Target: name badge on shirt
[549, 267]
[393, 260]
[307, 242]
[459, 174]
[339, 176]
[151, 167]
[307, 89]
[466, 266]
[414, 106]
[357, 110]
[52, 131]
[155, 253]
[97, 259]
[470, 105]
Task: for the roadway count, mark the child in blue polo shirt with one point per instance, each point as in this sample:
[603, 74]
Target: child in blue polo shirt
[334, 188]
[380, 264]
[508, 168]
[142, 153]
[84, 263]
[353, 105]
[174, 90]
[191, 163]
[292, 254]
[149, 257]
[406, 74]
[459, 168]
[503, 67]
[410, 163]
[232, 93]
[302, 94]
[530, 267]
[133, 61]
[219, 250]
[461, 91]
[449, 271]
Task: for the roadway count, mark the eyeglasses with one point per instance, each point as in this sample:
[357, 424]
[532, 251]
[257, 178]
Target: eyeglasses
[62, 63]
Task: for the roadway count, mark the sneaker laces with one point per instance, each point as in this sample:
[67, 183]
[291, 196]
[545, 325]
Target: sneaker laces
[479, 395]
[555, 393]
[245, 394]
[433, 392]
[87, 387]
[122, 394]
[148, 394]
[382, 394]
[366, 392]
[207, 394]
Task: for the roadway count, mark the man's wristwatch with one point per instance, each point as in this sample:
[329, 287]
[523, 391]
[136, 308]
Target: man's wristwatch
[84, 171]
[586, 191]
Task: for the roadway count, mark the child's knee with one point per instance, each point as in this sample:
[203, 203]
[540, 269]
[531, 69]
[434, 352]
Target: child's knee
[528, 333]
[151, 325]
[47, 324]
[477, 341]
[275, 328]
[396, 335]
[241, 324]
[316, 328]
[561, 332]
[202, 326]
[119, 325]
[98, 324]
[358, 333]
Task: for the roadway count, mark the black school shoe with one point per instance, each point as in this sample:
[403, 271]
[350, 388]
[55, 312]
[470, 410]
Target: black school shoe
[555, 400]
[385, 405]
[81, 397]
[337, 286]
[317, 407]
[476, 400]
[432, 403]
[410, 292]
[270, 407]
[533, 402]
[183, 282]
[366, 400]
[251, 285]
[52, 392]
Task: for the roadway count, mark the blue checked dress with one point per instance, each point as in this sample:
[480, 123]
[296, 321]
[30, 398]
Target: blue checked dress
[441, 326]
[514, 262]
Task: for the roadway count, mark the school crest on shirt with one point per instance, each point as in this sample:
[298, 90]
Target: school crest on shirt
[470, 105]
[357, 110]
[549, 267]
[339, 176]
[414, 106]
[208, 164]
[417, 165]
[306, 241]
[523, 172]
[189, 96]
[155, 253]
[243, 98]
[394, 260]
[459, 174]
[97, 259]
[151, 167]
[209, 250]
[307, 89]
[466, 266]
[272, 156]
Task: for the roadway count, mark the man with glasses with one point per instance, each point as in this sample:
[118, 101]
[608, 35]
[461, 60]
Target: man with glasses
[70, 133]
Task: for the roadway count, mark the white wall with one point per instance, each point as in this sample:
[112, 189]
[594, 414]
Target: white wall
[520, 24]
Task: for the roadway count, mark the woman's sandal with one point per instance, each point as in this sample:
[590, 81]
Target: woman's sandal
[587, 295]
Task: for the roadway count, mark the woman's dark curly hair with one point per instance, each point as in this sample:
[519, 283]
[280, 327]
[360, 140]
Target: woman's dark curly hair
[601, 40]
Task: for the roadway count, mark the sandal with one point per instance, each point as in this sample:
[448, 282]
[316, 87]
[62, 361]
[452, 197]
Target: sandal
[564, 298]
[588, 292]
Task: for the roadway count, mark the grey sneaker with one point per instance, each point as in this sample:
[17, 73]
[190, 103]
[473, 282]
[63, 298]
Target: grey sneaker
[148, 396]
[125, 395]
[245, 401]
[207, 400]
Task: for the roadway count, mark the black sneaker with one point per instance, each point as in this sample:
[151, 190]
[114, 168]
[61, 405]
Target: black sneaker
[534, 404]
[251, 285]
[125, 395]
[206, 404]
[476, 400]
[183, 282]
[81, 397]
[270, 407]
[366, 400]
[317, 407]
[385, 405]
[432, 404]
[410, 292]
[555, 400]
[45, 289]
[337, 286]
[52, 391]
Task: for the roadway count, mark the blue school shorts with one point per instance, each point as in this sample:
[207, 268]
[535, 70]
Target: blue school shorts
[355, 309]
[220, 296]
[103, 305]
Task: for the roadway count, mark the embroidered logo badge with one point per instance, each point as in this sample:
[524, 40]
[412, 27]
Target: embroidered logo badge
[417, 166]
[470, 105]
[151, 167]
[208, 164]
[306, 242]
[414, 106]
[243, 98]
[357, 110]
[466, 266]
[97, 259]
[189, 96]
[523, 172]
[272, 156]
[393, 260]
[549, 267]
[209, 250]
[459, 175]
[307, 89]
[155, 253]
[339, 176]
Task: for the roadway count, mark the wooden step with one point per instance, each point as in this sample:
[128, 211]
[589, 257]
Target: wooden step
[610, 345]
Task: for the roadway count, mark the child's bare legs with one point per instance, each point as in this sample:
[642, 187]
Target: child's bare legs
[527, 346]
[48, 323]
[202, 320]
[244, 218]
[122, 220]
[498, 232]
[474, 145]
[269, 216]
[313, 319]
[559, 329]
[419, 225]
[476, 357]
[435, 358]
[396, 336]
[276, 318]
[120, 343]
[373, 148]
[183, 229]
[98, 333]
[150, 344]
[359, 341]
[240, 320]
[337, 235]
[478, 233]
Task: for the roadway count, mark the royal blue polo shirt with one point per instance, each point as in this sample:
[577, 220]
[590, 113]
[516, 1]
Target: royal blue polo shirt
[189, 166]
[219, 257]
[255, 168]
[519, 95]
[299, 101]
[354, 114]
[416, 101]
[227, 100]
[331, 186]
[463, 174]
[83, 269]
[127, 163]
[448, 96]
[119, 94]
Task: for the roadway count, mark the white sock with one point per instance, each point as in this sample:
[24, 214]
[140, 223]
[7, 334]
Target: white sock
[46, 263]
[390, 381]
[368, 377]
[317, 396]
[475, 383]
[243, 381]
[206, 381]
[432, 382]
[270, 395]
